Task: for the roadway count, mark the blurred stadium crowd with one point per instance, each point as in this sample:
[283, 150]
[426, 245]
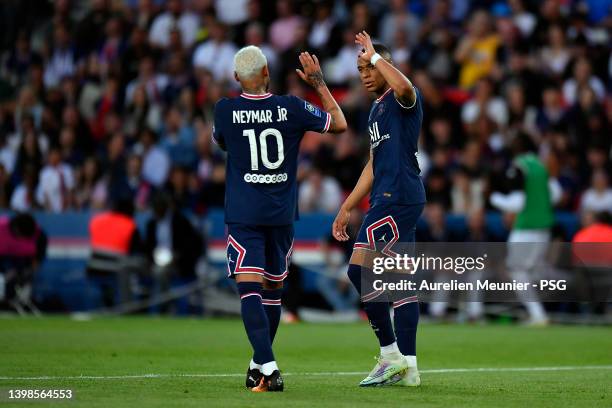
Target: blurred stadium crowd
[102, 100]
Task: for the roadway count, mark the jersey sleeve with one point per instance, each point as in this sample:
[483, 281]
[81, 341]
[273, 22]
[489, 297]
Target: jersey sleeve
[217, 130]
[311, 117]
[416, 100]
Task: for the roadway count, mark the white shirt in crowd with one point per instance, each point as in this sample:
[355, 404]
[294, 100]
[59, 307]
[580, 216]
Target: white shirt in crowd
[570, 89]
[496, 109]
[216, 57]
[596, 201]
[20, 201]
[55, 182]
[187, 24]
[232, 12]
[60, 65]
[342, 68]
[155, 166]
[325, 199]
[8, 157]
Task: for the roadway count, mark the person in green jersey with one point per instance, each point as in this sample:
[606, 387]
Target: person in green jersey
[531, 196]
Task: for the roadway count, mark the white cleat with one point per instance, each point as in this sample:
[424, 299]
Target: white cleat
[389, 369]
[411, 378]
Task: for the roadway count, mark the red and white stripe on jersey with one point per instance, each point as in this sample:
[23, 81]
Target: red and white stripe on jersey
[371, 245]
[371, 296]
[410, 299]
[380, 98]
[241, 254]
[327, 123]
[282, 276]
[255, 97]
[250, 294]
[271, 302]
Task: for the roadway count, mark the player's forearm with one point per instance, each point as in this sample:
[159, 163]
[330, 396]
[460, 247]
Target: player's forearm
[338, 121]
[402, 87]
[362, 188]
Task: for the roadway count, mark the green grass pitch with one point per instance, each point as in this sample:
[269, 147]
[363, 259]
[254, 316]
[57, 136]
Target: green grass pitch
[179, 354]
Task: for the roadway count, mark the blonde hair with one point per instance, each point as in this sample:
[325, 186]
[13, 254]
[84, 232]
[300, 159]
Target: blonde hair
[249, 61]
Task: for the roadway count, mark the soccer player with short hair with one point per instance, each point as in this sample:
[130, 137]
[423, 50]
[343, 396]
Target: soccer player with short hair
[397, 196]
[261, 133]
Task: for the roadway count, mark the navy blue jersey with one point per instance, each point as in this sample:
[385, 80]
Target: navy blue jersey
[262, 134]
[394, 134]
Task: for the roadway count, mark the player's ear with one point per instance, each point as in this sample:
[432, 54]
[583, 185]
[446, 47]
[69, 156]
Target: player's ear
[236, 76]
[265, 72]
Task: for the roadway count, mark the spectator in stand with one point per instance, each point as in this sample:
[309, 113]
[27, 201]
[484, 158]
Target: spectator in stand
[319, 193]
[211, 169]
[28, 129]
[141, 113]
[232, 12]
[556, 55]
[217, 54]
[325, 33]
[399, 19]
[282, 31]
[552, 111]
[597, 198]
[28, 154]
[178, 139]
[8, 154]
[24, 196]
[586, 121]
[19, 60]
[175, 16]
[153, 81]
[467, 194]
[91, 189]
[181, 189]
[341, 70]
[582, 77]
[476, 51]
[56, 183]
[485, 102]
[155, 160]
[61, 59]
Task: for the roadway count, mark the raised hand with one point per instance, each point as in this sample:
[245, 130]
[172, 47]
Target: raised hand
[363, 39]
[312, 73]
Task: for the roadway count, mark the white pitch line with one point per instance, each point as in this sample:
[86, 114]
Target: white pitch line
[313, 374]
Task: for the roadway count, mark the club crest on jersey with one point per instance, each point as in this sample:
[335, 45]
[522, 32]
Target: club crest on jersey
[312, 109]
[375, 136]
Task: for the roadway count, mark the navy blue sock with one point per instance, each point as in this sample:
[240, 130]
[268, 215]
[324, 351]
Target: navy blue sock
[272, 305]
[376, 307]
[406, 319]
[255, 321]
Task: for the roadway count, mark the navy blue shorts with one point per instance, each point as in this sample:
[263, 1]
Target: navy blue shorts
[386, 227]
[390, 230]
[263, 250]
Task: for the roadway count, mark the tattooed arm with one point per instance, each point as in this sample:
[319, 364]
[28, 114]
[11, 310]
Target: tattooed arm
[313, 76]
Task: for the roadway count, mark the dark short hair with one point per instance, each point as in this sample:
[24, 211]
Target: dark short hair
[382, 50]
[522, 143]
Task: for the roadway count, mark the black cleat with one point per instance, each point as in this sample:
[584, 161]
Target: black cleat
[270, 383]
[253, 377]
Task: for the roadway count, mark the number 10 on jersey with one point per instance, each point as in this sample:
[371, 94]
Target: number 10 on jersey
[263, 147]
